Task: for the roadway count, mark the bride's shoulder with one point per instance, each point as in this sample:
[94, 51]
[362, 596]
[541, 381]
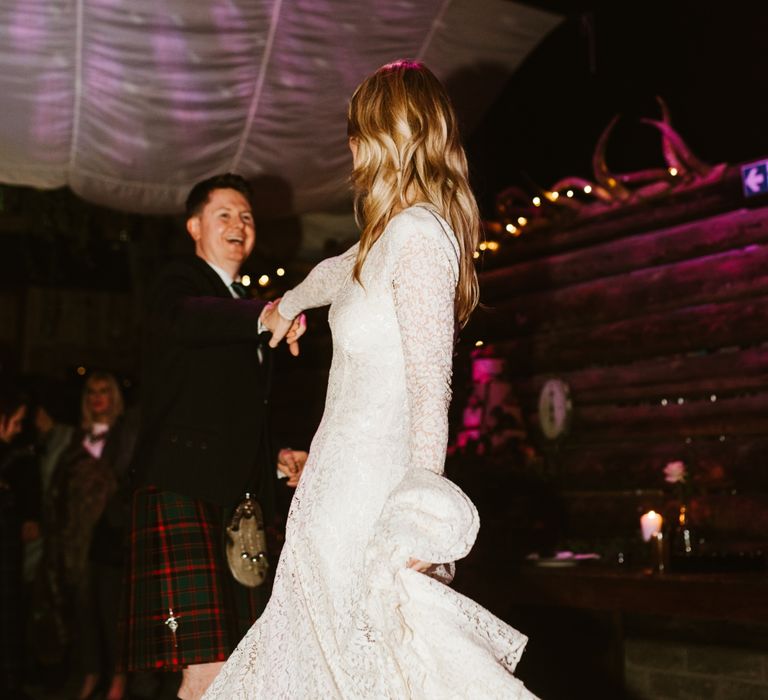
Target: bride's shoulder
[415, 215]
[418, 223]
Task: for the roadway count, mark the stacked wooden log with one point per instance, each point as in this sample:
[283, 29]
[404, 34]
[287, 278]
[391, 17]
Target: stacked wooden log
[656, 316]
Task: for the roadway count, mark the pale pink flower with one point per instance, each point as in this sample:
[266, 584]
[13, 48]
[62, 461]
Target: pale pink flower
[675, 473]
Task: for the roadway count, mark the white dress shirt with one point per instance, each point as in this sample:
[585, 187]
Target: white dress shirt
[93, 441]
[225, 277]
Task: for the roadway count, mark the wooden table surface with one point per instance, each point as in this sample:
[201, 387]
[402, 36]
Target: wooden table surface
[722, 596]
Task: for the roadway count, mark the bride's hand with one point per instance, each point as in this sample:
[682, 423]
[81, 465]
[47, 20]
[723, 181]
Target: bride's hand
[418, 565]
[297, 329]
[281, 327]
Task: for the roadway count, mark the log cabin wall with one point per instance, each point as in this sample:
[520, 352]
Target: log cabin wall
[656, 316]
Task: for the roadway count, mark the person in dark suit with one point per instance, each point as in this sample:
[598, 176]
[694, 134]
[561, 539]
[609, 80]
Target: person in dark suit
[19, 514]
[203, 443]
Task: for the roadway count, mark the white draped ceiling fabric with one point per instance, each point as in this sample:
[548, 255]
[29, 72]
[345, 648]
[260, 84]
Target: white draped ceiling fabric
[129, 103]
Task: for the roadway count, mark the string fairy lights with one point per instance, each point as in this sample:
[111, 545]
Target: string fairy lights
[515, 225]
[263, 280]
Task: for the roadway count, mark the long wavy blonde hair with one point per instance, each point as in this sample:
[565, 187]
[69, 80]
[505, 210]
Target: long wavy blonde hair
[409, 151]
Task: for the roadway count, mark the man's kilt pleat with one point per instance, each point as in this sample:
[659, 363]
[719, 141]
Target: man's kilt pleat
[177, 567]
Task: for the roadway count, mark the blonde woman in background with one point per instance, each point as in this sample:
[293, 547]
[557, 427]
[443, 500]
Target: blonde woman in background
[86, 537]
[360, 607]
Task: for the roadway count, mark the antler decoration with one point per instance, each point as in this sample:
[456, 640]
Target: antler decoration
[603, 176]
[683, 169]
[676, 151]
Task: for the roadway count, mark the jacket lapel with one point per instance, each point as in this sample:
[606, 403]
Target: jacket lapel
[218, 288]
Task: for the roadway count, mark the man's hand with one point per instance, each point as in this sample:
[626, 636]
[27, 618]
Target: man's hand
[283, 328]
[291, 463]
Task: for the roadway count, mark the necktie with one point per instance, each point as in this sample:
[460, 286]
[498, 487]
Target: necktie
[242, 292]
[240, 289]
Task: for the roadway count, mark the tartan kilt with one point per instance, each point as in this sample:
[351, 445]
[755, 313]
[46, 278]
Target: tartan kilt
[177, 563]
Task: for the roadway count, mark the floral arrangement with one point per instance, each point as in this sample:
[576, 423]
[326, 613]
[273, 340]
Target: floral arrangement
[694, 489]
[675, 472]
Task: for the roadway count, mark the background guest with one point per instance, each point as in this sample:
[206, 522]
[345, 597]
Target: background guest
[85, 534]
[52, 436]
[19, 512]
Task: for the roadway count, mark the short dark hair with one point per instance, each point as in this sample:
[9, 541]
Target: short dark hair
[199, 194]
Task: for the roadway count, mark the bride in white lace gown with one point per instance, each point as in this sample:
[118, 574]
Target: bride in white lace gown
[356, 610]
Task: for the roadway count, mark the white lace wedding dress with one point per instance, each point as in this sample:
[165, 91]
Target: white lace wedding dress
[347, 619]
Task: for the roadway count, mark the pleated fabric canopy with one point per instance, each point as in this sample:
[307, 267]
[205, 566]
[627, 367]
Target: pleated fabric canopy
[129, 103]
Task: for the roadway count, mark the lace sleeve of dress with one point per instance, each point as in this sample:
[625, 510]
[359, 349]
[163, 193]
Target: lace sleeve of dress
[320, 285]
[424, 283]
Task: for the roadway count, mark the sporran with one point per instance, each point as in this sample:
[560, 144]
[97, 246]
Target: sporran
[246, 544]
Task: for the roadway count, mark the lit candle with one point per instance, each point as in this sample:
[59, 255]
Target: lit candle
[650, 524]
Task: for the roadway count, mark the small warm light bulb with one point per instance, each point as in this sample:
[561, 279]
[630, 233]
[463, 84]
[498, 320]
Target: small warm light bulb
[522, 220]
[483, 245]
[493, 245]
[475, 255]
[479, 343]
[554, 196]
[280, 272]
[587, 189]
[673, 171]
[722, 438]
[245, 280]
[536, 201]
[680, 401]
[664, 402]
[569, 193]
[713, 398]
[511, 228]
[81, 370]
[264, 280]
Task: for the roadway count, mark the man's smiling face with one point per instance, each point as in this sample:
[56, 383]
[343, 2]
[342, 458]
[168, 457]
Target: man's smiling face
[223, 231]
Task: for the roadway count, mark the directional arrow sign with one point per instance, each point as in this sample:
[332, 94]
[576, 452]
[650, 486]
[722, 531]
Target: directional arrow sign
[754, 178]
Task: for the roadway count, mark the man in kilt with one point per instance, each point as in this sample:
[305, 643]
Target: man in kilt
[202, 445]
